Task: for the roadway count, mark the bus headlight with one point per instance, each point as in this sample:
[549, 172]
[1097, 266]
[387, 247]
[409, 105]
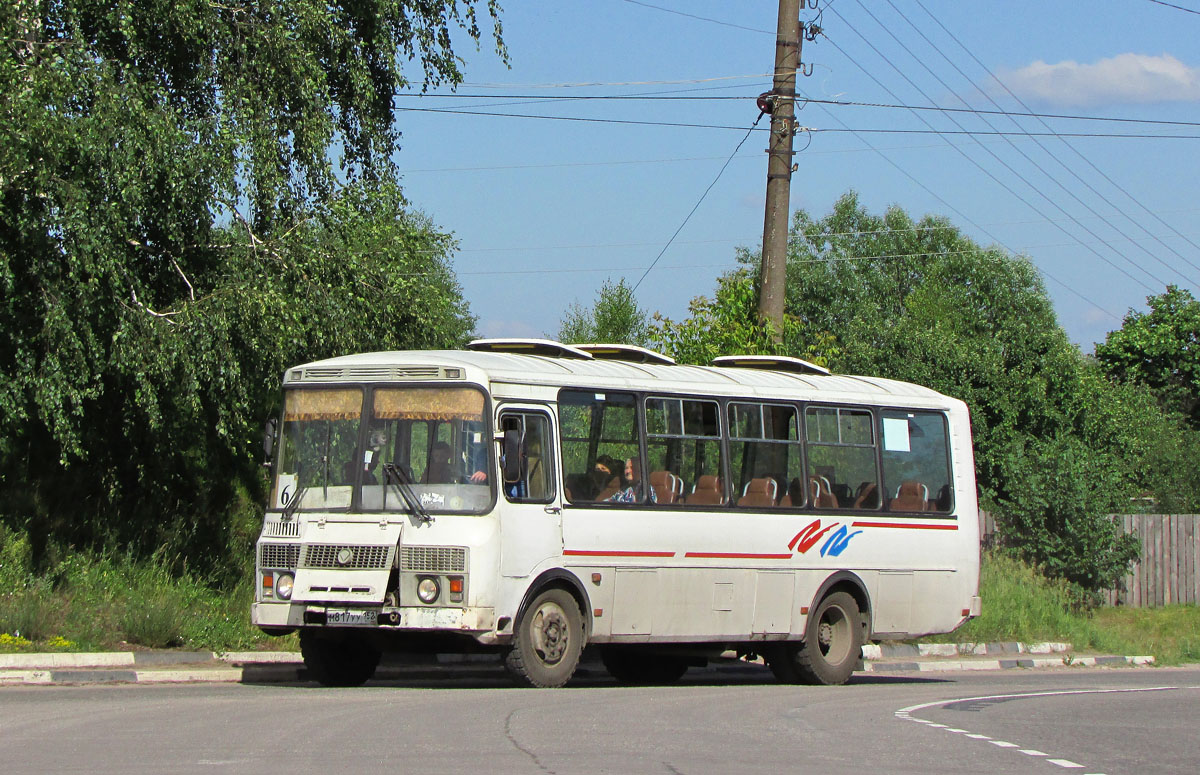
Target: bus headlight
[428, 589]
[283, 586]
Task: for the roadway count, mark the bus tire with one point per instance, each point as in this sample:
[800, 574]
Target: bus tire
[349, 661]
[633, 666]
[831, 649]
[548, 641]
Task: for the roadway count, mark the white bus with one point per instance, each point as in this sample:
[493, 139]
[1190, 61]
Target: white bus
[531, 498]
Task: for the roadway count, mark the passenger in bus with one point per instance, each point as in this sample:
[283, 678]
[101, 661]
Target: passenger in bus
[606, 477]
[439, 470]
[632, 491]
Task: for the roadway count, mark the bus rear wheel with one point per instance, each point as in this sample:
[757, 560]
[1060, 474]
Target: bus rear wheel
[831, 649]
[633, 666]
[548, 641]
[348, 661]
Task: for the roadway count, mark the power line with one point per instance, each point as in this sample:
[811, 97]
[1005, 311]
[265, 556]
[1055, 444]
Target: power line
[699, 18]
[983, 169]
[701, 199]
[1067, 286]
[1069, 192]
[1176, 7]
[753, 238]
[670, 97]
[814, 130]
[574, 118]
[1073, 149]
[592, 84]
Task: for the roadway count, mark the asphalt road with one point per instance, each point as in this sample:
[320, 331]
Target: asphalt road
[1110, 721]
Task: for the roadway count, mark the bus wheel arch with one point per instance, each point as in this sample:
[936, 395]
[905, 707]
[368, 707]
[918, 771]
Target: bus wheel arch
[563, 579]
[836, 627]
[848, 582]
[549, 631]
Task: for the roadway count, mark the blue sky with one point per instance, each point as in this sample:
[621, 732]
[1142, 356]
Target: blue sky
[546, 211]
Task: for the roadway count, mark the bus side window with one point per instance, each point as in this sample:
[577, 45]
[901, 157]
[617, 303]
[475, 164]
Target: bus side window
[765, 456]
[683, 445]
[916, 461]
[842, 472]
[599, 432]
[535, 483]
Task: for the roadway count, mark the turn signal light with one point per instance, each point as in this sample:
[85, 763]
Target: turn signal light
[456, 589]
[268, 584]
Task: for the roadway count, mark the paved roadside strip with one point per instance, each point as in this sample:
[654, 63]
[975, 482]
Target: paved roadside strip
[146, 667]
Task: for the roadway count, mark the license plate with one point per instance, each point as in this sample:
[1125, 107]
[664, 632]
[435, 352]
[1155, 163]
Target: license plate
[349, 618]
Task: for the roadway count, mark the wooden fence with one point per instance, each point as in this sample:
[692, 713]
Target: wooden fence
[1169, 568]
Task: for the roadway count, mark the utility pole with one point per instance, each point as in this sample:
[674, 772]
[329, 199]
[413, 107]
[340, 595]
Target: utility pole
[781, 104]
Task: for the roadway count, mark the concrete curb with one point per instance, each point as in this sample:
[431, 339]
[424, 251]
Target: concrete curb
[894, 650]
[946, 666]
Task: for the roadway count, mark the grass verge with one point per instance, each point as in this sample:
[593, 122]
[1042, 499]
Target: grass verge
[96, 603]
[1020, 604]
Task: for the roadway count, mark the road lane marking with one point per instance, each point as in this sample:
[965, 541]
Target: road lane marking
[904, 714]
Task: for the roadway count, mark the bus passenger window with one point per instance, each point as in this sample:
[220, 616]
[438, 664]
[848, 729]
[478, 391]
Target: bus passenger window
[916, 461]
[599, 435]
[683, 445]
[842, 472]
[765, 458]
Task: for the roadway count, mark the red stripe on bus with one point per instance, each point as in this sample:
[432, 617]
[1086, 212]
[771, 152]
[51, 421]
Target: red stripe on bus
[614, 553]
[738, 556]
[905, 525]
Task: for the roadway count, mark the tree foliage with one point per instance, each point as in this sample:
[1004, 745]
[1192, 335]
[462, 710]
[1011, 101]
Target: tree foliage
[192, 196]
[728, 324]
[614, 318]
[1161, 349]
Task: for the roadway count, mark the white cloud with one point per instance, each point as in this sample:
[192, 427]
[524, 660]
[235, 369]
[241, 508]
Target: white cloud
[1123, 79]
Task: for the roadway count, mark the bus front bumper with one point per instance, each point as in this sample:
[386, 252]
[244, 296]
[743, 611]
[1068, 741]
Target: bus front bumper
[278, 615]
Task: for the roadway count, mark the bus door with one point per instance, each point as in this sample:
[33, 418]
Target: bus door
[530, 506]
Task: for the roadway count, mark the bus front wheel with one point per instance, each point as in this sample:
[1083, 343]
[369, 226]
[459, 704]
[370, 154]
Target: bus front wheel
[547, 642]
[831, 649]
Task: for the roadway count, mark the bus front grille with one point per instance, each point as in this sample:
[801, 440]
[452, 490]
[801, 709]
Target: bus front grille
[279, 556]
[434, 559]
[282, 529]
[347, 556]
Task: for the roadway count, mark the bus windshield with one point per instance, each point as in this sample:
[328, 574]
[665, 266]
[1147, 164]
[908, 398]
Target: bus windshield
[433, 438]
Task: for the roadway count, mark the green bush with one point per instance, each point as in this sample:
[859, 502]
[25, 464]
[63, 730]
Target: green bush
[1061, 493]
[1022, 604]
[32, 613]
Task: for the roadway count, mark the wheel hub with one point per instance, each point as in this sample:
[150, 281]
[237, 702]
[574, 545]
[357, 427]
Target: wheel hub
[551, 635]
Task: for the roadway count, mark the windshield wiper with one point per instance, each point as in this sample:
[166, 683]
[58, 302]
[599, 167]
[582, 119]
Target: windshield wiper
[292, 506]
[396, 476]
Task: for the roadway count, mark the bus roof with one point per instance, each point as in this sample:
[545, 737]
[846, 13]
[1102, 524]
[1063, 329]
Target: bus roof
[490, 368]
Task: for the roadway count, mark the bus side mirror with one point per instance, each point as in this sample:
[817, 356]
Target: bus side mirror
[513, 456]
[269, 440]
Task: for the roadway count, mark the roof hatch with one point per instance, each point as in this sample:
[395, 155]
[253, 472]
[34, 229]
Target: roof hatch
[625, 352]
[529, 347]
[772, 362]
